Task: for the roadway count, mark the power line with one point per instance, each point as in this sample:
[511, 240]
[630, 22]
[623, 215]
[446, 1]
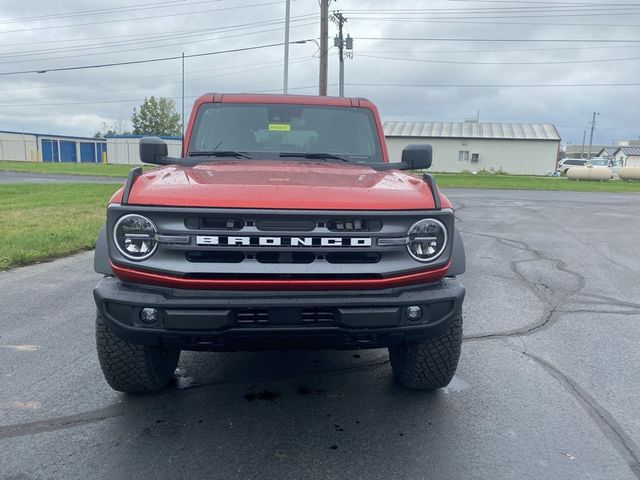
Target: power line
[492, 85]
[157, 38]
[190, 80]
[496, 40]
[162, 45]
[149, 60]
[121, 9]
[508, 50]
[217, 70]
[474, 22]
[467, 62]
[102, 22]
[132, 100]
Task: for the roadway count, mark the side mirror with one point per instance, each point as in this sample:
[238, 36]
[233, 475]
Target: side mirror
[417, 156]
[153, 150]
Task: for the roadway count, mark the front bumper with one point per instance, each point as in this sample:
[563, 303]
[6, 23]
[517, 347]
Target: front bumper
[264, 320]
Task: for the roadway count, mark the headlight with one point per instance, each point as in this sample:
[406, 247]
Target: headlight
[135, 237]
[427, 240]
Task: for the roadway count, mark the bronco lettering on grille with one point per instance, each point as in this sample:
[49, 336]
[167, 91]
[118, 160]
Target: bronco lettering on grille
[239, 241]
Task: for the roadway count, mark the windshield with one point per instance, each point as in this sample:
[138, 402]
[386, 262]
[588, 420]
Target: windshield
[267, 130]
[600, 163]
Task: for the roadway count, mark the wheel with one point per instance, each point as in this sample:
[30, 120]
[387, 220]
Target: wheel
[130, 367]
[429, 365]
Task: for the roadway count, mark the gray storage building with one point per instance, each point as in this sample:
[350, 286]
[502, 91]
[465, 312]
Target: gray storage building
[516, 148]
[42, 147]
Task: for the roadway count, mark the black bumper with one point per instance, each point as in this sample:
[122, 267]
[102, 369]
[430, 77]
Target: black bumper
[252, 320]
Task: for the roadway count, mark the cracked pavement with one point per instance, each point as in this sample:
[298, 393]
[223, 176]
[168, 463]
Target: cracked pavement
[547, 385]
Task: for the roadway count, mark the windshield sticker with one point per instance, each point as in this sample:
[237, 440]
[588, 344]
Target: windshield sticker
[279, 127]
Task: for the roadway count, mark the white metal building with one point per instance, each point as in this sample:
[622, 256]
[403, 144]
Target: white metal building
[39, 147]
[627, 156]
[125, 149]
[516, 148]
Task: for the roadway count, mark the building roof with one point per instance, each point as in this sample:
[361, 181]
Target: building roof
[53, 135]
[607, 151]
[508, 131]
[131, 135]
[629, 151]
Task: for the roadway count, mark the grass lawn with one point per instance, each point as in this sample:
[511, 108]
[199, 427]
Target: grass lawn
[524, 182]
[42, 222]
[97, 169]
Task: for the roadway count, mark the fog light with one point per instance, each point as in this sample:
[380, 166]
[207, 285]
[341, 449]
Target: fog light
[414, 313]
[148, 315]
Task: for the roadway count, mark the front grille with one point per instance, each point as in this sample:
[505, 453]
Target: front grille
[264, 244]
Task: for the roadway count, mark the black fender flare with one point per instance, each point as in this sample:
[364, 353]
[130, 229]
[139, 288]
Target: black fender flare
[458, 256]
[101, 255]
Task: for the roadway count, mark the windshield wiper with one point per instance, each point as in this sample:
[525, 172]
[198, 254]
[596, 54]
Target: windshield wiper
[313, 156]
[220, 153]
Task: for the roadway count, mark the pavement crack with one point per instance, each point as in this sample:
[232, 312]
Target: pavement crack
[607, 424]
[551, 298]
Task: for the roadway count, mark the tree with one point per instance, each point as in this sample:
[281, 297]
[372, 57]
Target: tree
[116, 127]
[156, 116]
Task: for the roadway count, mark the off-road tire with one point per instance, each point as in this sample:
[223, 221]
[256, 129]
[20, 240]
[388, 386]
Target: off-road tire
[429, 365]
[130, 367]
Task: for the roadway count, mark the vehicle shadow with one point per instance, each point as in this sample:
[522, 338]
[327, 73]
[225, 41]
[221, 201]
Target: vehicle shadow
[285, 414]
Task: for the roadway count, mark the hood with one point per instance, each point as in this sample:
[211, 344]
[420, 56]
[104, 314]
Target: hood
[296, 185]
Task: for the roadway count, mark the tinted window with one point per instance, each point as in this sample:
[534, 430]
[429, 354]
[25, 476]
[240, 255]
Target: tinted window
[270, 129]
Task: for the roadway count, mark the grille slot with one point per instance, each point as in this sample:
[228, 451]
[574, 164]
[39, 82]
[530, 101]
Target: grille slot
[214, 223]
[252, 316]
[353, 257]
[285, 257]
[285, 225]
[354, 225]
[215, 256]
[317, 315]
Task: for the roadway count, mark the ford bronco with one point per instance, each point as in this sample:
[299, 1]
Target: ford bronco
[283, 225]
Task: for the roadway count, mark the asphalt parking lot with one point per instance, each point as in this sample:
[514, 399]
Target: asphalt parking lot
[547, 385]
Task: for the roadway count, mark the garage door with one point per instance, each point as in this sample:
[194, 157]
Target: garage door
[68, 151]
[88, 152]
[50, 151]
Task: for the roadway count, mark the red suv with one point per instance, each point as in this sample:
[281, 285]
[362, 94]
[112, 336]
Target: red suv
[282, 226]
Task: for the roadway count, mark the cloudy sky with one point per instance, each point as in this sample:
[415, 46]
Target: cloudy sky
[450, 68]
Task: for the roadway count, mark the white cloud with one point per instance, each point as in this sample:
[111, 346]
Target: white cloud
[569, 108]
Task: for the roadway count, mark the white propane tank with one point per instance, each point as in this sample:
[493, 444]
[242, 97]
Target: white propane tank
[589, 173]
[629, 173]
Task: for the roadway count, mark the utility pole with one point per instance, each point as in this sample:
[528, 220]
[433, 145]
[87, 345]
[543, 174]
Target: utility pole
[287, 17]
[593, 126]
[342, 44]
[324, 47]
[183, 97]
[584, 136]
[339, 19]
